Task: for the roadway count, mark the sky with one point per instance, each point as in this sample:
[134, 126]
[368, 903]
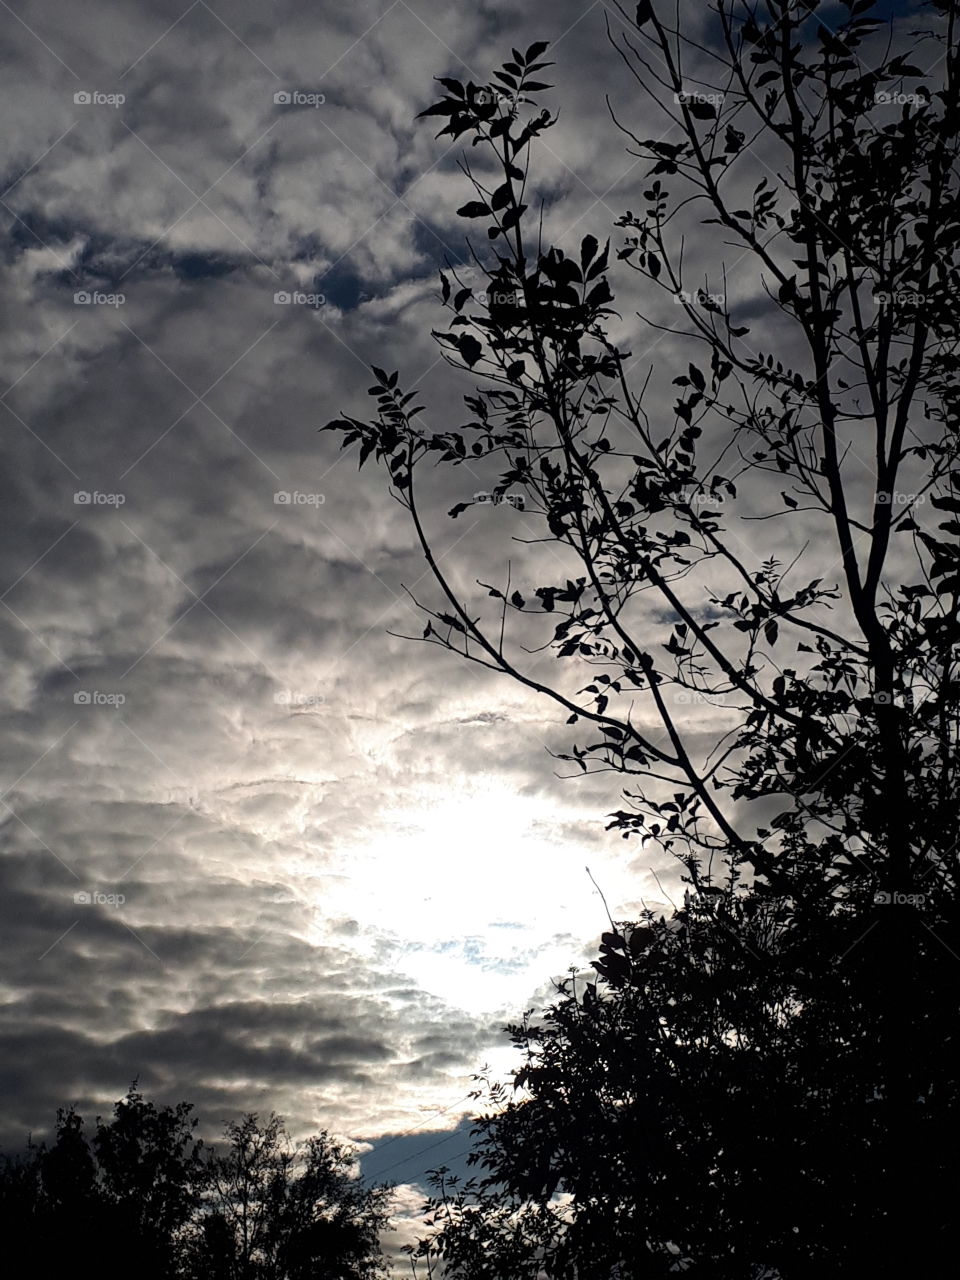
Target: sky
[255, 851]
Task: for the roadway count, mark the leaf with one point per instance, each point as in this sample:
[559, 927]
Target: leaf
[366, 449]
[599, 294]
[469, 348]
[601, 263]
[588, 250]
[444, 108]
[702, 110]
[501, 197]
[535, 50]
[771, 629]
[473, 209]
[533, 86]
[697, 378]
[644, 12]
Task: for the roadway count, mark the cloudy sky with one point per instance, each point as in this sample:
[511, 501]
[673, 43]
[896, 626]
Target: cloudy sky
[256, 851]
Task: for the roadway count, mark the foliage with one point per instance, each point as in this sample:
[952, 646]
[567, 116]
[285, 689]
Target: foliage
[768, 1083]
[146, 1197]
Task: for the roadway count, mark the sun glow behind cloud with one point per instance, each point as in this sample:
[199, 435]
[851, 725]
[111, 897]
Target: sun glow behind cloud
[482, 893]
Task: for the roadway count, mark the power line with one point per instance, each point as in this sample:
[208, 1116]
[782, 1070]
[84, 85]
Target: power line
[432, 1116]
[418, 1154]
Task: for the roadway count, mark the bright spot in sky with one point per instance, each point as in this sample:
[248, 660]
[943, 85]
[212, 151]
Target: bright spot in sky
[483, 892]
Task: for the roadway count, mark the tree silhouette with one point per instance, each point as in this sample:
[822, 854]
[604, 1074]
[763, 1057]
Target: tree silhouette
[151, 1173]
[147, 1198]
[273, 1212]
[123, 1198]
[766, 1080]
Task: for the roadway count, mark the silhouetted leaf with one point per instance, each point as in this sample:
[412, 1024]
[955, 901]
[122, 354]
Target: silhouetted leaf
[470, 348]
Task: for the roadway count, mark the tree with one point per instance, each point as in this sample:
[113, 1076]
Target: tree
[152, 1172]
[147, 1197]
[127, 1195]
[276, 1213]
[811, 969]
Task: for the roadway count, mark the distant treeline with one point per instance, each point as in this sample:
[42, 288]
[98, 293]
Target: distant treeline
[143, 1196]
